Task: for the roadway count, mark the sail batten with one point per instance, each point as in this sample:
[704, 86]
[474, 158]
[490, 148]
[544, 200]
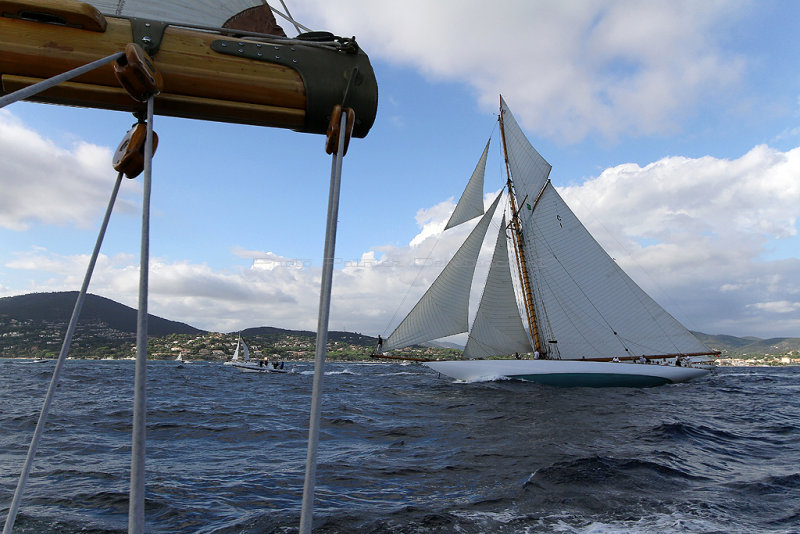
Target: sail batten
[497, 328]
[470, 205]
[443, 309]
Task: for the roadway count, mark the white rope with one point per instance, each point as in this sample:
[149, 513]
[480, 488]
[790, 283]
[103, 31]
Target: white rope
[37, 88]
[291, 19]
[138, 435]
[62, 356]
[307, 511]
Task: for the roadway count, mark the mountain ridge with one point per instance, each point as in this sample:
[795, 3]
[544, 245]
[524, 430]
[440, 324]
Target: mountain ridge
[56, 307]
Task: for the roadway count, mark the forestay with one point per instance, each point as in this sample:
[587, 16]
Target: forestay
[443, 309]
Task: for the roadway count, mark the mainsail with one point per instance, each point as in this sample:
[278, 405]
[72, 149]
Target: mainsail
[443, 309]
[586, 304]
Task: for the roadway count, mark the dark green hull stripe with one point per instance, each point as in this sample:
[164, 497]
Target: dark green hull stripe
[594, 380]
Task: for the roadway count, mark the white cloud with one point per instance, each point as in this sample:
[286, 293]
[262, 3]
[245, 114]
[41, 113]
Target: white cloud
[43, 183]
[569, 69]
[693, 232]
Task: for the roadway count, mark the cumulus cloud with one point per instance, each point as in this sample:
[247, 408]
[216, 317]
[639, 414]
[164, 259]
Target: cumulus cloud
[571, 69]
[43, 183]
[692, 232]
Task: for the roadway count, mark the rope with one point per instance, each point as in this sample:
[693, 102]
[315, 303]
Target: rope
[138, 434]
[306, 516]
[289, 17]
[54, 382]
[37, 88]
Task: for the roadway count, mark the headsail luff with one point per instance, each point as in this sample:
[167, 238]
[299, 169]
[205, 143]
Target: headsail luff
[497, 328]
[589, 307]
[443, 309]
[470, 205]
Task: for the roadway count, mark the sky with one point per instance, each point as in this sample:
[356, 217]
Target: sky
[673, 129]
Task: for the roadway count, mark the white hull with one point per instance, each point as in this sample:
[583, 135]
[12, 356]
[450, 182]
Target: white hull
[567, 372]
[255, 368]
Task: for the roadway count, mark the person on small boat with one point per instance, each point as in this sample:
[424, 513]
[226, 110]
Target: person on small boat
[379, 350]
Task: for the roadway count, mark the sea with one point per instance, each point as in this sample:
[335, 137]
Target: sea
[403, 450]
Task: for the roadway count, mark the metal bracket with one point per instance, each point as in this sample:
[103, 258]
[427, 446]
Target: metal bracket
[148, 33]
[326, 74]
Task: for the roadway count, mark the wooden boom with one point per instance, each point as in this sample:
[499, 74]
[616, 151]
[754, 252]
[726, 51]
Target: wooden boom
[259, 80]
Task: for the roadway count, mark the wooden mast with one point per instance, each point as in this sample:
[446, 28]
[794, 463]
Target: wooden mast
[516, 231]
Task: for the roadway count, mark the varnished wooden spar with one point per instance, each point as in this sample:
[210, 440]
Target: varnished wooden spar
[207, 75]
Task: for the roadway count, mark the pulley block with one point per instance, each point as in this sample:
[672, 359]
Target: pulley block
[334, 127]
[129, 157]
[137, 74]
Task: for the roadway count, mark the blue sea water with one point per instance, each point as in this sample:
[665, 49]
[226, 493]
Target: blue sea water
[403, 450]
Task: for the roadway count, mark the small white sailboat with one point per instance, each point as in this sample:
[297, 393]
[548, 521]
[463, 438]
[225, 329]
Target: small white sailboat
[248, 366]
[180, 359]
[241, 346]
[588, 323]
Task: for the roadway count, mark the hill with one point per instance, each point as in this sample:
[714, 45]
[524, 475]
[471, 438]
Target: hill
[749, 346]
[57, 307]
[33, 325]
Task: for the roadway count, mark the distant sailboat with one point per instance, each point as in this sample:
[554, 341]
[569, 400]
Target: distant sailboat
[247, 366]
[240, 345]
[588, 323]
[181, 359]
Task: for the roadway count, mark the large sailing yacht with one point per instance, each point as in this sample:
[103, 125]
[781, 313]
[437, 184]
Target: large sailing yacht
[582, 321]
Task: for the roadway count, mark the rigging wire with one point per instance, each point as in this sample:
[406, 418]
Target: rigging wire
[55, 381]
[288, 17]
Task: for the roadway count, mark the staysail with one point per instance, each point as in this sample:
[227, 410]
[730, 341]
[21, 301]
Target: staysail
[587, 306]
[470, 205]
[443, 309]
[497, 328]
